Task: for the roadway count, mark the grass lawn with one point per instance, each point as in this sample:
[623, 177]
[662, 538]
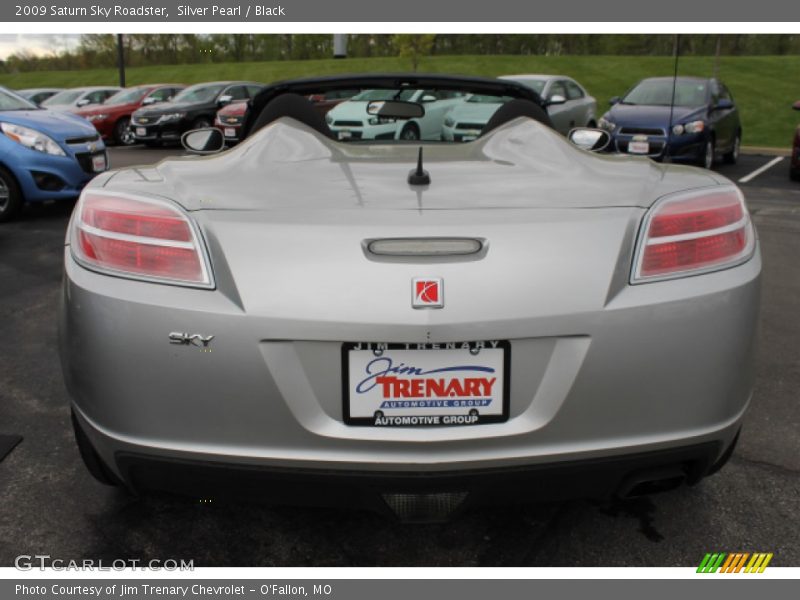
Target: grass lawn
[763, 86]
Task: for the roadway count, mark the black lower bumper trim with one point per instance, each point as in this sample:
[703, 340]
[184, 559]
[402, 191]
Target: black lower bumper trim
[599, 478]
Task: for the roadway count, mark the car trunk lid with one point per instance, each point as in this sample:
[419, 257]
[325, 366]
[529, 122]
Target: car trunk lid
[522, 165]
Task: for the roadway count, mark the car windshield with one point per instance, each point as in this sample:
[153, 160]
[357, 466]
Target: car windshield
[484, 99]
[447, 115]
[658, 92]
[371, 95]
[127, 96]
[9, 101]
[65, 97]
[199, 93]
[537, 85]
[339, 94]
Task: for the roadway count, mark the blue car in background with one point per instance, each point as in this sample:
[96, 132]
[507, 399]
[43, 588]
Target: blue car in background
[696, 122]
[44, 155]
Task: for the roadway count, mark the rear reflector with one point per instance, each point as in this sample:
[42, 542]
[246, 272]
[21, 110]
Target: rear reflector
[425, 508]
[138, 237]
[687, 233]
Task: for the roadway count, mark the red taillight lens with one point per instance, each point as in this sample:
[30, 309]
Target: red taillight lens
[131, 217]
[698, 231]
[139, 237]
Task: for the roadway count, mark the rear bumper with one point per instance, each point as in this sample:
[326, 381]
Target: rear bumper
[598, 478]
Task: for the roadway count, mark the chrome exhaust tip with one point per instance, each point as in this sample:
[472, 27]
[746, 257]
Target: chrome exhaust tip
[653, 481]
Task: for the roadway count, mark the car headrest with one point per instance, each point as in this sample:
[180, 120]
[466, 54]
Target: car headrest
[294, 106]
[515, 108]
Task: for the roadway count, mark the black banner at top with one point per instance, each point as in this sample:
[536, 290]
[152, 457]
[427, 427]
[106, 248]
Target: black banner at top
[337, 11]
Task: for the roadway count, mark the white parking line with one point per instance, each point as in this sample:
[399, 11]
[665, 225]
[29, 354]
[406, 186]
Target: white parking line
[760, 170]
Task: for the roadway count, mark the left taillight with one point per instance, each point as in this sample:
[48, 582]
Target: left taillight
[138, 237]
[694, 232]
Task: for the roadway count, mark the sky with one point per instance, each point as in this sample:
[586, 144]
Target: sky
[44, 43]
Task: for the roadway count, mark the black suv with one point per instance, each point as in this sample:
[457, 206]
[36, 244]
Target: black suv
[193, 108]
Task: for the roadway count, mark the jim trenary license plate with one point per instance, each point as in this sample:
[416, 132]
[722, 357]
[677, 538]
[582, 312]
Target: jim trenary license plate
[426, 385]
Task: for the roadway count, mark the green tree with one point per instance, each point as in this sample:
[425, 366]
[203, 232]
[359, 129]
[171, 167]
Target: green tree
[413, 47]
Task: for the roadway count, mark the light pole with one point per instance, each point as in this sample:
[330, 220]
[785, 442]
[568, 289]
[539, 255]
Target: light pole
[121, 60]
[339, 45]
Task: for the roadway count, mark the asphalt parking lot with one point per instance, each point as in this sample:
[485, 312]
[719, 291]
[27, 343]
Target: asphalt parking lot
[51, 505]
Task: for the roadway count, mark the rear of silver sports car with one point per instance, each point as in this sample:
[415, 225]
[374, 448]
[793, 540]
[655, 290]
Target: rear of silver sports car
[311, 329]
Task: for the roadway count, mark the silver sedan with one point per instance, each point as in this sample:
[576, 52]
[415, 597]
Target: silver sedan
[569, 105]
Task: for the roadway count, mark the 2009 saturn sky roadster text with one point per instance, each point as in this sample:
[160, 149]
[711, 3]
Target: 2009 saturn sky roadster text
[407, 325]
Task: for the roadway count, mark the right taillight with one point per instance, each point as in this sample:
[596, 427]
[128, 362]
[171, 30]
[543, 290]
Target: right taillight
[695, 232]
[138, 237]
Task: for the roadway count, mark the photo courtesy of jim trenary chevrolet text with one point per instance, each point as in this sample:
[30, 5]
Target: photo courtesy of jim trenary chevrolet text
[310, 299]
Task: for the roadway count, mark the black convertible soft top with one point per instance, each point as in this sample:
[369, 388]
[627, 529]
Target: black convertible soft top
[392, 81]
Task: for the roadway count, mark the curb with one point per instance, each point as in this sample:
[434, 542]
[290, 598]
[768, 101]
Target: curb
[766, 151]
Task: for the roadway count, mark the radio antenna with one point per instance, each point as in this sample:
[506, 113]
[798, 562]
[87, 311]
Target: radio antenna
[419, 176]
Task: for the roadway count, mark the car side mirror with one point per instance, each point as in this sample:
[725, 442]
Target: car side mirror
[395, 109]
[796, 105]
[208, 140]
[723, 104]
[586, 138]
[556, 99]
[82, 102]
[614, 100]
[225, 99]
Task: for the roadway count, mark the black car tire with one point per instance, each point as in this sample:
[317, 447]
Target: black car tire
[410, 132]
[733, 156]
[706, 159]
[794, 174]
[201, 123]
[123, 136]
[94, 464]
[10, 196]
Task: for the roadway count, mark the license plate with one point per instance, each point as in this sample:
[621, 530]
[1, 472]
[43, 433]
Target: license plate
[141, 131]
[469, 138]
[230, 132]
[99, 162]
[639, 148]
[345, 135]
[426, 385]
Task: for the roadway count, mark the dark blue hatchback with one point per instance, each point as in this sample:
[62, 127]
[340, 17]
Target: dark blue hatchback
[694, 121]
[44, 154]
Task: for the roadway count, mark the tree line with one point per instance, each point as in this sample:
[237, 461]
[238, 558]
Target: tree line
[100, 50]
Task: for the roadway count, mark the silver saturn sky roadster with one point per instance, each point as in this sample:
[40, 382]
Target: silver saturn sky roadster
[411, 327]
